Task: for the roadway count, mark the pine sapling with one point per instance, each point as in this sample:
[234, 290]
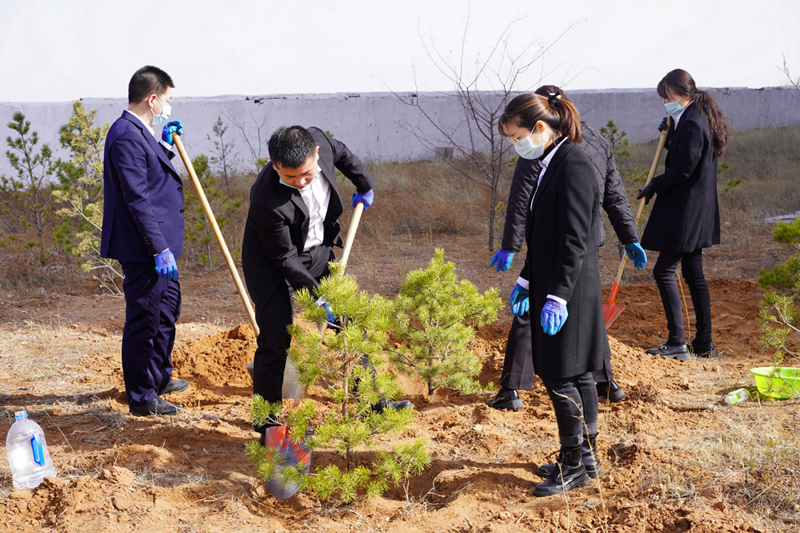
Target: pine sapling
[435, 316]
[351, 366]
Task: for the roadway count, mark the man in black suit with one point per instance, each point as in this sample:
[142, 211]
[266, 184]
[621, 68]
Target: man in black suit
[291, 228]
[518, 365]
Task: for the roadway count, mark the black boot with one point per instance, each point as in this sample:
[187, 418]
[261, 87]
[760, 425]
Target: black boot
[589, 459]
[568, 473]
[506, 399]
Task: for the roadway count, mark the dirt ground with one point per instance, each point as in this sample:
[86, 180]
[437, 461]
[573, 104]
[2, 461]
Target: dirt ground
[668, 450]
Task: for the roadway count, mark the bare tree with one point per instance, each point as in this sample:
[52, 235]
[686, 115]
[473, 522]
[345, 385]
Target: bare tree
[785, 70]
[255, 146]
[224, 157]
[479, 154]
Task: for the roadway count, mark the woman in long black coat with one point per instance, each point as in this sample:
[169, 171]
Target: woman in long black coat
[685, 216]
[560, 282]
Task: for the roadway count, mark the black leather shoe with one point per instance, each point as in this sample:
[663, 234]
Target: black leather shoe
[568, 473]
[156, 406]
[612, 390]
[174, 386]
[384, 403]
[506, 399]
[706, 351]
[672, 351]
[588, 457]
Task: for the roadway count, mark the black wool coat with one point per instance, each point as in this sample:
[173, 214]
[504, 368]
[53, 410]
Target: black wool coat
[562, 261]
[278, 221]
[611, 190]
[685, 214]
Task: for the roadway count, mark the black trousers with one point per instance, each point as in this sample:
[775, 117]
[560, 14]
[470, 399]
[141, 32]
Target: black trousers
[518, 364]
[692, 269]
[274, 317]
[575, 403]
[152, 306]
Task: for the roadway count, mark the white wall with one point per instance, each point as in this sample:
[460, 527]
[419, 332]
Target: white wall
[377, 125]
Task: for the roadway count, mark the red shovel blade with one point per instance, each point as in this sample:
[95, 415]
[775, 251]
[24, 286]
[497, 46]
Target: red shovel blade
[293, 454]
[610, 310]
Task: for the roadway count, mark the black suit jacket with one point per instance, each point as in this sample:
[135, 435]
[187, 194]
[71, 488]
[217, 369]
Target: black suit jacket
[685, 214]
[277, 222]
[611, 192]
[562, 261]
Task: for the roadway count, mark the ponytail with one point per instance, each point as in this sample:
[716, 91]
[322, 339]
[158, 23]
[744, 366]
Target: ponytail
[678, 83]
[554, 109]
[717, 124]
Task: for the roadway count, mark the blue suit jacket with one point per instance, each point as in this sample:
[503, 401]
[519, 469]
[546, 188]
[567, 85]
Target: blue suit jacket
[143, 195]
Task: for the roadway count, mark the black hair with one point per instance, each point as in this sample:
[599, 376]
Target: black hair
[678, 83]
[555, 110]
[146, 81]
[291, 147]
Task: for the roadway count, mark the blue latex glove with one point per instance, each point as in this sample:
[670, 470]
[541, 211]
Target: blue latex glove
[664, 124]
[365, 197]
[519, 300]
[553, 316]
[166, 266]
[170, 128]
[503, 260]
[636, 254]
[331, 318]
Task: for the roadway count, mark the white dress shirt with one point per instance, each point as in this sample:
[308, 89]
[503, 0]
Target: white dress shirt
[316, 195]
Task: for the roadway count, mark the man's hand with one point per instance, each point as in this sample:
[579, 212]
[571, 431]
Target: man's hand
[554, 314]
[647, 193]
[365, 197]
[519, 300]
[636, 254]
[503, 260]
[166, 266]
[170, 128]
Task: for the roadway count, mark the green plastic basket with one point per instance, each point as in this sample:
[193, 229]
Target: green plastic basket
[777, 382]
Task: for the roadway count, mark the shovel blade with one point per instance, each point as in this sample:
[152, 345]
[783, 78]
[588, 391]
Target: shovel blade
[611, 312]
[293, 454]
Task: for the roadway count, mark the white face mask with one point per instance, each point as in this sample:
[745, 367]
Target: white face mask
[166, 110]
[527, 150]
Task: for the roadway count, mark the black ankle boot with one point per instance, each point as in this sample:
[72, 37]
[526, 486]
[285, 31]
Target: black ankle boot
[589, 459]
[568, 473]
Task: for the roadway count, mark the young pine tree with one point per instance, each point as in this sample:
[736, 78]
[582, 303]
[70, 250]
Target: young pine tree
[81, 191]
[436, 315]
[351, 365]
[197, 230]
[779, 317]
[32, 187]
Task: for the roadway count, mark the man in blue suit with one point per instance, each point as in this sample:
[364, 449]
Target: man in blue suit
[143, 229]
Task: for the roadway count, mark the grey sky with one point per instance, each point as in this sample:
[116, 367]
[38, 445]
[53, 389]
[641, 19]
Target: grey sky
[51, 50]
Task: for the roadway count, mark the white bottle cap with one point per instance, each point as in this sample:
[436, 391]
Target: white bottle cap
[21, 414]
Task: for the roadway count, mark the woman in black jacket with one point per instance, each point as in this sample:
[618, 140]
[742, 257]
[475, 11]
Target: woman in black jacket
[560, 282]
[685, 216]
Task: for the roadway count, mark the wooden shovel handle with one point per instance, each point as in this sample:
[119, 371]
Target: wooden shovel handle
[201, 195]
[661, 142]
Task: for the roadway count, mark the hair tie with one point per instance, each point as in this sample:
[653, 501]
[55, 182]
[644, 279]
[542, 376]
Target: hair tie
[553, 99]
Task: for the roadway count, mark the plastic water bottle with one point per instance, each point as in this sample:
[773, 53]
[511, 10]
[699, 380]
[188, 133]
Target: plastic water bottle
[736, 396]
[27, 452]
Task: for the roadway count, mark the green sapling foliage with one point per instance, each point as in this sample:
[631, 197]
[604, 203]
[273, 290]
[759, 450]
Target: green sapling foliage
[779, 317]
[435, 317]
[81, 191]
[197, 229]
[351, 366]
[32, 186]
